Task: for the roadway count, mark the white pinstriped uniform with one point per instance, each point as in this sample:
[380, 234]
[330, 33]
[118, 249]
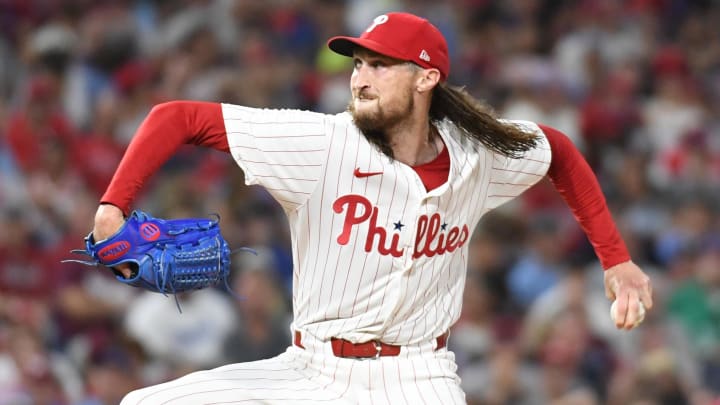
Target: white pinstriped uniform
[376, 257]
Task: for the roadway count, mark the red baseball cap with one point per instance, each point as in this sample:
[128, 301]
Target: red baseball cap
[401, 36]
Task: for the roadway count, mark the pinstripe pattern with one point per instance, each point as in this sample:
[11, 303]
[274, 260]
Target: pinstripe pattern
[375, 258]
[290, 377]
[315, 376]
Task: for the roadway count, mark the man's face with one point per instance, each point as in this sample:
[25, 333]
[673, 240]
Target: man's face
[382, 91]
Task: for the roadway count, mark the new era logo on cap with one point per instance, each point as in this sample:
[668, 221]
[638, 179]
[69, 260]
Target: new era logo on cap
[402, 36]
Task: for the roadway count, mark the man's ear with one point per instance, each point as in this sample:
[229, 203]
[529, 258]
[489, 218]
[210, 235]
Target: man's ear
[427, 80]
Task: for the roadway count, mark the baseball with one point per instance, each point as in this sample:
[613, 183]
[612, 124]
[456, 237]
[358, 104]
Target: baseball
[640, 317]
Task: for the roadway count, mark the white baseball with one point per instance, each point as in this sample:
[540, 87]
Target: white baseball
[640, 314]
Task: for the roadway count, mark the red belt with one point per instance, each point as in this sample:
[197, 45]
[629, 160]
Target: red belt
[373, 348]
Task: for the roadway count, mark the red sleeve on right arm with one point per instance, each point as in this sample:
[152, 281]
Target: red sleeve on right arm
[575, 181]
[167, 127]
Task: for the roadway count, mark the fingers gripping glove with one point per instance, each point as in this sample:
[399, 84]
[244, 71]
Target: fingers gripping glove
[167, 256]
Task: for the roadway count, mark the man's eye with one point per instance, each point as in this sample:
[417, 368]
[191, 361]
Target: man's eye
[357, 63]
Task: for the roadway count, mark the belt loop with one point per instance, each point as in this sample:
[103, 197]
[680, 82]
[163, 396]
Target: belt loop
[441, 341]
[298, 339]
[378, 348]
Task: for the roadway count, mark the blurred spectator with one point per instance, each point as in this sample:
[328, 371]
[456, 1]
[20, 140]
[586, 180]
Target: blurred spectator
[24, 272]
[540, 95]
[693, 304]
[87, 307]
[503, 378]
[56, 188]
[692, 166]
[692, 224]
[641, 209]
[475, 332]
[111, 372]
[582, 295]
[108, 41]
[657, 374]
[187, 340]
[674, 109]
[610, 116]
[263, 329]
[37, 379]
[129, 103]
[604, 36]
[552, 375]
[39, 123]
[574, 362]
[97, 154]
[261, 226]
[539, 267]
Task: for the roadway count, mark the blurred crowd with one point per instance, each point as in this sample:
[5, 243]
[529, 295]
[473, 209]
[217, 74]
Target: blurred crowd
[634, 83]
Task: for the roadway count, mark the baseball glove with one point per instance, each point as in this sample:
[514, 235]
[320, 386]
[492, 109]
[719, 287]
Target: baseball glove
[167, 256]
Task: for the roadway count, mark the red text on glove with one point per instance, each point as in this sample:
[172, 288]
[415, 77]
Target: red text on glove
[114, 251]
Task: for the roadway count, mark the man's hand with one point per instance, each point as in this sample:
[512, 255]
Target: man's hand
[627, 284]
[108, 220]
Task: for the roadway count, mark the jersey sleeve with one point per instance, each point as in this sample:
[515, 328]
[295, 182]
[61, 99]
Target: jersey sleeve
[575, 181]
[167, 127]
[282, 150]
[510, 177]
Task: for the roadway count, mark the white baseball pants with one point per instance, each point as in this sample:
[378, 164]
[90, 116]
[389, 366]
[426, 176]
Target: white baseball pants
[418, 375]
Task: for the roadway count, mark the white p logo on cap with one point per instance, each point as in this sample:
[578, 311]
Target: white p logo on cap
[381, 19]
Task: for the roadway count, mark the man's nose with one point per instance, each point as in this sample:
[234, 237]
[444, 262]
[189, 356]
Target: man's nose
[359, 78]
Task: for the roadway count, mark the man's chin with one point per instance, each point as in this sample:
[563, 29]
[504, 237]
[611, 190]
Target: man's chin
[364, 119]
[366, 125]
[366, 116]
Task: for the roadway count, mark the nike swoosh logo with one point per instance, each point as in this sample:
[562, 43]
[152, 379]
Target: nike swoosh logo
[360, 174]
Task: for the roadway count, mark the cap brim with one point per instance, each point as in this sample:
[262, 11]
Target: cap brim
[346, 46]
[342, 45]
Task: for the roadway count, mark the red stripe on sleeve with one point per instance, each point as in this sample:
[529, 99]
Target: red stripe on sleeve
[167, 127]
[575, 181]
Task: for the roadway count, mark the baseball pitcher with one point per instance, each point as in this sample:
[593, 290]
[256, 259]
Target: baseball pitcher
[381, 200]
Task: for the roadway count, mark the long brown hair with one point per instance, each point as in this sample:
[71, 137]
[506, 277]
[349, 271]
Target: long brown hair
[478, 121]
[474, 118]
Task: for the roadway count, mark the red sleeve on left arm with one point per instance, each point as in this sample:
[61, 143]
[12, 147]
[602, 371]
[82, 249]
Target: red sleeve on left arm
[578, 186]
[164, 130]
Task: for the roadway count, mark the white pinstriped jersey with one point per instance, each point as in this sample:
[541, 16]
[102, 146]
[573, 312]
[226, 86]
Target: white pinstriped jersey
[375, 255]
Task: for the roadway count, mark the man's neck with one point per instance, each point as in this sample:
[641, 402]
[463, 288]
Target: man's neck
[416, 144]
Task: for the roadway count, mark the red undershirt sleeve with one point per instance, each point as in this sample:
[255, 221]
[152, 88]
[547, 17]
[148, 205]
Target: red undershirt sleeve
[167, 127]
[575, 181]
